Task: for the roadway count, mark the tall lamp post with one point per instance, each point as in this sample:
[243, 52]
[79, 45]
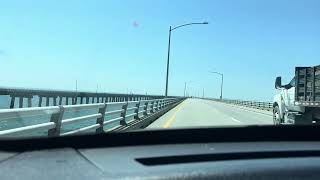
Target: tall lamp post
[168, 60]
[221, 81]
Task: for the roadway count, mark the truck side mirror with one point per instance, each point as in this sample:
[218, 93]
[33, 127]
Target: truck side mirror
[278, 83]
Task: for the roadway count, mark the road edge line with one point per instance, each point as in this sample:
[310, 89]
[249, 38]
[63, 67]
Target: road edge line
[170, 120]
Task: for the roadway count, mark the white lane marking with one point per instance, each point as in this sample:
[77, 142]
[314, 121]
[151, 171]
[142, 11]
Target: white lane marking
[236, 120]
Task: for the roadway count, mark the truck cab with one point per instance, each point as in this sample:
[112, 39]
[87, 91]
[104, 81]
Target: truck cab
[284, 102]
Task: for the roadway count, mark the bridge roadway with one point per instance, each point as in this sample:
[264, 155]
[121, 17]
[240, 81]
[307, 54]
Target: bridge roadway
[199, 112]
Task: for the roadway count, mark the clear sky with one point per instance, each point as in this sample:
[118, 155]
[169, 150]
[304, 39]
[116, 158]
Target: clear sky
[122, 45]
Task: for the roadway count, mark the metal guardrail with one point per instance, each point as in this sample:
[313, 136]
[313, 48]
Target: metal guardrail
[268, 106]
[20, 98]
[57, 121]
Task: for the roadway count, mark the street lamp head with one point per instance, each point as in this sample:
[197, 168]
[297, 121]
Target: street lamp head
[205, 23]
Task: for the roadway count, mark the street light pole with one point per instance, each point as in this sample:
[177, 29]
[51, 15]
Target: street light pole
[168, 58]
[168, 61]
[221, 87]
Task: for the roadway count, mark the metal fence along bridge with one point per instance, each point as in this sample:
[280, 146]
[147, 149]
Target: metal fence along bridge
[62, 113]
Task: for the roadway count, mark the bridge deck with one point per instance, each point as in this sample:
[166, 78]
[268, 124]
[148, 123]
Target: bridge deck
[198, 112]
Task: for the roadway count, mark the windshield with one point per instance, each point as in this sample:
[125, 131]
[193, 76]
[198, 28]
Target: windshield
[77, 67]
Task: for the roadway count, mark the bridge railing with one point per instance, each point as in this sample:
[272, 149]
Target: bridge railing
[20, 98]
[104, 114]
[268, 106]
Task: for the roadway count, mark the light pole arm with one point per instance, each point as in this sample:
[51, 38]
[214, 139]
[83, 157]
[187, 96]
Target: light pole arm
[216, 73]
[188, 24]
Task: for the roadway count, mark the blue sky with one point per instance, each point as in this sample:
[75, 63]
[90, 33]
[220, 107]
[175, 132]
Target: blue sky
[122, 45]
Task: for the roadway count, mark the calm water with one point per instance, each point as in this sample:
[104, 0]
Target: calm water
[14, 122]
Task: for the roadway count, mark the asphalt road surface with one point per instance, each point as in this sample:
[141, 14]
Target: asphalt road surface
[199, 113]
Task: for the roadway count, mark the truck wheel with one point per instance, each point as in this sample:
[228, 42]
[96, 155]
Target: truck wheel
[276, 116]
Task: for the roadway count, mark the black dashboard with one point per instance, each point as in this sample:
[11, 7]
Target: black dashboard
[202, 154]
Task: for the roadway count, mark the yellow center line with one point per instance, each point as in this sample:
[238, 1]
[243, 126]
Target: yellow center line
[172, 117]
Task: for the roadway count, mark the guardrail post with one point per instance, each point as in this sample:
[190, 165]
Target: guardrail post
[13, 98]
[47, 101]
[75, 100]
[145, 113]
[56, 118]
[40, 101]
[100, 120]
[29, 101]
[152, 107]
[20, 102]
[137, 111]
[157, 107]
[270, 106]
[161, 102]
[60, 100]
[123, 114]
[55, 100]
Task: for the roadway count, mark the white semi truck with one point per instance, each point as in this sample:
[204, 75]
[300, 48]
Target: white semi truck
[298, 102]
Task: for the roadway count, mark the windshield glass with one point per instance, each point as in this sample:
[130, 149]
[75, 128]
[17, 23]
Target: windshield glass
[75, 67]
